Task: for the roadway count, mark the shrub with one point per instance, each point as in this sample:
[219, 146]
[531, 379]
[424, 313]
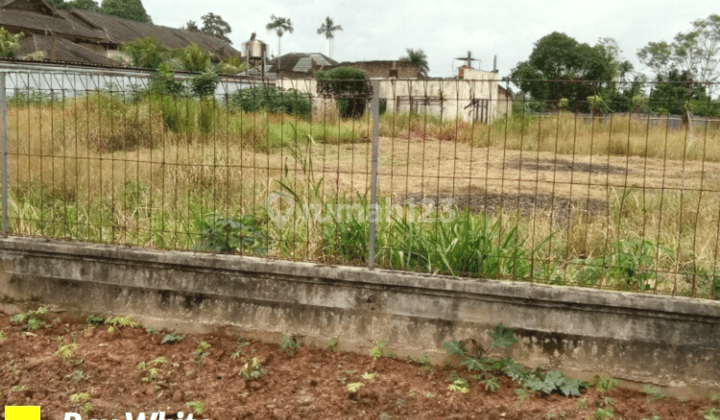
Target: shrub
[163, 82]
[348, 86]
[204, 84]
[274, 100]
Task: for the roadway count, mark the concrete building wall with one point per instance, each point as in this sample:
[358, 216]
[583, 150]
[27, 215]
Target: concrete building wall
[668, 341]
[472, 99]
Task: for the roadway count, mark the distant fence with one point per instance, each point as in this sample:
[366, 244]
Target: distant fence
[673, 122]
[62, 81]
[439, 188]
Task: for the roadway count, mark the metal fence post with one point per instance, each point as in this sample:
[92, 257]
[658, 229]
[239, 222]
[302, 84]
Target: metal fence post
[3, 122]
[374, 210]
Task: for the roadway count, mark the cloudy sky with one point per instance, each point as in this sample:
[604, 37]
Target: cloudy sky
[383, 29]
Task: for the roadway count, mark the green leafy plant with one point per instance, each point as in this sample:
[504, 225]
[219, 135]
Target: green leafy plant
[289, 345]
[252, 370]
[369, 376]
[653, 393]
[354, 387]
[458, 383]
[66, 350]
[273, 100]
[77, 377]
[3, 337]
[332, 345]
[81, 401]
[553, 381]
[94, 319]
[19, 388]
[202, 351]
[349, 86]
[502, 337]
[222, 235]
[33, 319]
[115, 322]
[172, 338]
[9, 43]
[454, 348]
[604, 413]
[491, 384]
[377, 351]
[712, 414]
[197, 407]
[605, 383]
[239, 344]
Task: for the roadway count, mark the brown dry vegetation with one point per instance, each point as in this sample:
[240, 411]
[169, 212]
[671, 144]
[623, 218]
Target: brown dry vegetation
[129, 178]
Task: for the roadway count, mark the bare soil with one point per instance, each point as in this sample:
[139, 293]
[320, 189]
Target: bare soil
[312, 384]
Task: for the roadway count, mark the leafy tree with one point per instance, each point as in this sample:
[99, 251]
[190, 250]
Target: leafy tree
[348, 85]
[328, 28]
[146, 52]
[215, 25]
[90, 5]
[280, 25]
[9, 43]
[232, 65]
[560, 67]
[191, 26]
[677, 93]
[696, 52]
[193, 58]
[418, 57]
[126, 9]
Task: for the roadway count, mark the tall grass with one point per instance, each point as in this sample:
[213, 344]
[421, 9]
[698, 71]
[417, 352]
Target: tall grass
[190, 174]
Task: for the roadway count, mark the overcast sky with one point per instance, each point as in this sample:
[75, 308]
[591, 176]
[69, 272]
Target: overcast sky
[383, 29]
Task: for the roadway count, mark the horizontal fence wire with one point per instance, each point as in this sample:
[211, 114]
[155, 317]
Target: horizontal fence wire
[473, 181]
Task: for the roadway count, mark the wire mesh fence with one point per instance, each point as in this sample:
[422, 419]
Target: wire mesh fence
[443, 176]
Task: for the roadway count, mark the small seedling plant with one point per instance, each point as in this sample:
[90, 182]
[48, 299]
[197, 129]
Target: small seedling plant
[202, 351]
[253, 370]
[116, 322]
[377, 351]
[197, 407]
[32, 319]
[289, 345]
[81, 402]
[172, 338]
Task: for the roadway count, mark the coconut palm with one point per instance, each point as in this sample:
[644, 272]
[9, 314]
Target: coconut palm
[9, 43]
[280, 25]
[418, 57]
[328, 29]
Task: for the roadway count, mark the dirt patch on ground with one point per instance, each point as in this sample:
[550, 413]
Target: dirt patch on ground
[113, 372]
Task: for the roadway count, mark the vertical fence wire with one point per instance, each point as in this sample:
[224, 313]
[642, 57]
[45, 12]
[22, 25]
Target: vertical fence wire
[563, 195]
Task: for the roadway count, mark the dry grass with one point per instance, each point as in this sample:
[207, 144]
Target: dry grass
[584, 185]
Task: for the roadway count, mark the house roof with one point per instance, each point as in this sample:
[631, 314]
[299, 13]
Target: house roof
[37, 16]
[119, 30]
[64, 50]
[300, 62]
[61, 23]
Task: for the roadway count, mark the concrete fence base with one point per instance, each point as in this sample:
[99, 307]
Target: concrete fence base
[665, 341]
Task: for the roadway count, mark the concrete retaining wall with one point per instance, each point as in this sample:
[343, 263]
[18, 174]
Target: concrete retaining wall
[672, 342]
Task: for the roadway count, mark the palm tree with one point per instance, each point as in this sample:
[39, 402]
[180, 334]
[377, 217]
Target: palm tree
[327, 29]
[280, 25]
[418, 57]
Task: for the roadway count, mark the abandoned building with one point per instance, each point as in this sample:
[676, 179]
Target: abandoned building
[82, 36]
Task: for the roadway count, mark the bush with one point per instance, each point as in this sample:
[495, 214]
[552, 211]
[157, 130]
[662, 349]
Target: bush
[272, 99]
[204, 84]
[163, 82]
[348, 86]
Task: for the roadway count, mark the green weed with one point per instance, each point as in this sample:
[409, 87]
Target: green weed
[289, 345]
